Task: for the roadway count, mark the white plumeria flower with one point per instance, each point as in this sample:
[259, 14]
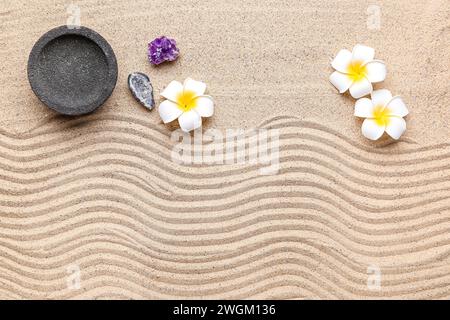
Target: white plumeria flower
[382, 113]
[186, 102]
[357, 71]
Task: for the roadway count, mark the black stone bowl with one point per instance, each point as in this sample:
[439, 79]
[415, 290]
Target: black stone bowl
[72, 71]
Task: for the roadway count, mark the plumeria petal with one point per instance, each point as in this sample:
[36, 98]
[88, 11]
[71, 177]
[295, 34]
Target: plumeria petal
[341, 81]
[197, 87]
[204, 106]
[364, 108]
[189, 121]
[342, 60]
[172, 91]
[169, 111]
[361, 88]
[376, 71]
[363, 53]
[371, 130]
[397, 107]
[381, 97]
[396, 127]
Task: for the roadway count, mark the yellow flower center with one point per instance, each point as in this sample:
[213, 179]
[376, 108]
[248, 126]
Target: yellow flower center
[186, 100]
[381, 115]
[356, 71]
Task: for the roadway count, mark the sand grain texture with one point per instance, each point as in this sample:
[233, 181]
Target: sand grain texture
[101, 192]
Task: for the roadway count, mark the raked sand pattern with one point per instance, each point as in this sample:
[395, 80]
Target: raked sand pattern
[101, 194]
[140, 226]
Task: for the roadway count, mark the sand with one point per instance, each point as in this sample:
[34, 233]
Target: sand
[100, 194]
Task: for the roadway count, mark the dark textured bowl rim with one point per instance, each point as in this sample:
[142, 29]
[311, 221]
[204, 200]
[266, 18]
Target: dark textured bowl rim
[108, 85]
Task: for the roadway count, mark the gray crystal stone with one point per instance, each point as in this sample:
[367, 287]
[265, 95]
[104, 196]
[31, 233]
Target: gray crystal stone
[142, 89]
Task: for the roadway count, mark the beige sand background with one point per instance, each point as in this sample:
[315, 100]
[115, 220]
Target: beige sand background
[100, 192]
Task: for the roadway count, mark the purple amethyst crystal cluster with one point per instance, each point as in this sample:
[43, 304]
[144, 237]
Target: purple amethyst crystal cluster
[162, 49]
